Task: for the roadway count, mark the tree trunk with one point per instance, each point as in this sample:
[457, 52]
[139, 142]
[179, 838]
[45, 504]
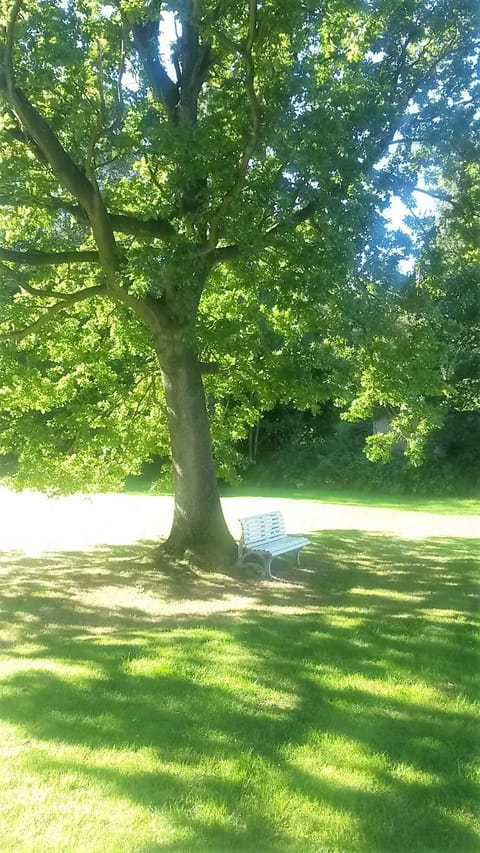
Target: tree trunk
[198, 523]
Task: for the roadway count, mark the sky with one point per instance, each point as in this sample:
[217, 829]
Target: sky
[396, 213]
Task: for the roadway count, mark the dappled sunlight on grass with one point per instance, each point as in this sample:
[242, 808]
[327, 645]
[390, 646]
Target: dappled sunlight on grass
[151, 706]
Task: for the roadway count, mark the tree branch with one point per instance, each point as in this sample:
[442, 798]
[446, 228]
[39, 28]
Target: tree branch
[66, 302]
[21, 135]
[229, 253]
[100, 123]
[38, 129]
[146, 38]
[52, 203]
[12, 274]
[124, 223]
[196, 61]
[9, 39]
[85, 191]
[255, 118]
[120, 73]
[438, 195]
[43, 293]
[47, 293]
[39, 259]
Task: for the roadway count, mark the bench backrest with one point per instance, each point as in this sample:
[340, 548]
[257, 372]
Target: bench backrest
[259, 530]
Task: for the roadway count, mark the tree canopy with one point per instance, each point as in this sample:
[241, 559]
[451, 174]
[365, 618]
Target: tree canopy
[196, 187]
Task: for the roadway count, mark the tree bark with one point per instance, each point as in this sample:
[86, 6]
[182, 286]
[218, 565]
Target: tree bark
[198, 523]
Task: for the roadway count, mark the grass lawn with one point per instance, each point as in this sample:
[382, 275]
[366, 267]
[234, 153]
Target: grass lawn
[410, 503]
[333, 709]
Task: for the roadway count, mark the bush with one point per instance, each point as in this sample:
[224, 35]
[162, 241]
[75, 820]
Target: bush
[451, 465]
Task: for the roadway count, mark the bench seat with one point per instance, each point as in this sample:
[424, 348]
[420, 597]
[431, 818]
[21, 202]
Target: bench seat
[281, 546]
[264, 538]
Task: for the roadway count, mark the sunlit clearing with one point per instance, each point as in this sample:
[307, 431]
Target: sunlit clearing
[34, 524]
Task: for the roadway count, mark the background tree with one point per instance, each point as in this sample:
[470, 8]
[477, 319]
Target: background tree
[449, 276]
[158, 209]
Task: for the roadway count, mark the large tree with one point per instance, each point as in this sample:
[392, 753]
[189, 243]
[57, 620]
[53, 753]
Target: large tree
[168, 171]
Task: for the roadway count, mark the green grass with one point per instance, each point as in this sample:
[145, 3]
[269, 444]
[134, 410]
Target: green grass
[410, 503]
[156, 709]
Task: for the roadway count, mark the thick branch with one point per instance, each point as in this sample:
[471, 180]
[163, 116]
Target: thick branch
[100, 122]
[255, 119]
[22, 136]
[46, 293]
[146, 38]
[62, 164]
[85, 191]
[38, 129]
[40, 259]
[51, 203]
[12, 275]
[64, 167]
[66, 302]
[38, 292]
[196, 61]
[9, 40]
[124, 223]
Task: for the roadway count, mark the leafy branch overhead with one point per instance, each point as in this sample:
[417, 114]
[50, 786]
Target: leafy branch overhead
[66, 301]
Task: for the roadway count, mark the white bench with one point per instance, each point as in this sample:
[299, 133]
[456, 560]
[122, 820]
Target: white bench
[263, 538]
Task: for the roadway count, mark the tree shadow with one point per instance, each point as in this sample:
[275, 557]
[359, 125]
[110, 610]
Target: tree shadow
[370, 644]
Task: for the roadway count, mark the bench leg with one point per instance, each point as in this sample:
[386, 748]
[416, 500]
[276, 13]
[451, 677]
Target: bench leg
[268, 559]
[261, 559]
[265, 560]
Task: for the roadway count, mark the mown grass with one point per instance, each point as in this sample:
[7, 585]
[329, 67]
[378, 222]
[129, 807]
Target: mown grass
[152, 708]
[409, 503]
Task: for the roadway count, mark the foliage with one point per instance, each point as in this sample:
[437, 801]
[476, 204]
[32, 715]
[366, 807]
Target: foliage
[241, 175]
[307, 457]
[450, 275]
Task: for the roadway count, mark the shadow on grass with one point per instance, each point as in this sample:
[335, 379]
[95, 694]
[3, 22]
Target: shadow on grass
[346, 686]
